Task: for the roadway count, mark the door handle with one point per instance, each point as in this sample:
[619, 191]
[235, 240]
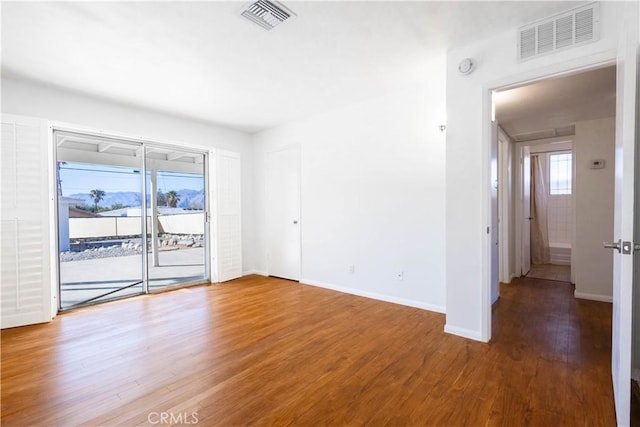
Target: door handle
[613, 245]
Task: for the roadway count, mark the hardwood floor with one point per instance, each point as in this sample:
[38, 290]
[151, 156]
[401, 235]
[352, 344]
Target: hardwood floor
[635, 404]
[263, 351]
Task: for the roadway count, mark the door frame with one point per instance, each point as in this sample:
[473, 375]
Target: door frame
[629, 48]
[519, 225]
[210, 250]
[560, 69]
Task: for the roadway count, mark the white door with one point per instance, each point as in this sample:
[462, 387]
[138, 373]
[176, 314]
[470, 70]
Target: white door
[526, 210]
[504, 203]
[25, 238]
[626, 81]
[283, 213]
[228, 215]
[635, 368]
[495, 285]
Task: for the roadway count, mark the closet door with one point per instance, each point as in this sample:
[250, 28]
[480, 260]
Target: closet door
[25, 274]
[283, 213]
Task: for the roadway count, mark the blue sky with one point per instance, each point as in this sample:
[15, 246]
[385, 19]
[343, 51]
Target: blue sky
[82, 178]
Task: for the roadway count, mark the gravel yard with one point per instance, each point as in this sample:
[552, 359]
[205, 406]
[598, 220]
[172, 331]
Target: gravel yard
[167, 243]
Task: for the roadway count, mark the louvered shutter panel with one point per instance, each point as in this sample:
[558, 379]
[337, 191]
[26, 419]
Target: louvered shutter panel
[229, 215]
[25, 275]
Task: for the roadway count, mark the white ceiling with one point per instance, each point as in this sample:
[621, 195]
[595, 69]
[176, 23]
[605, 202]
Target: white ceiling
[557, 103]
[204, 61]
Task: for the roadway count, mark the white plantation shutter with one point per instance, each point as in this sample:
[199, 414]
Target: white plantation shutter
[25, 279]
[229, 219]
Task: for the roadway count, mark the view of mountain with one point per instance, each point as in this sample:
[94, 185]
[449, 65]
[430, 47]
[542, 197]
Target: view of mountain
[189, 199]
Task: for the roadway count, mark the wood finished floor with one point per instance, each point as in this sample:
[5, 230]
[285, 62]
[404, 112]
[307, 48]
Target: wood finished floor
[263, 351]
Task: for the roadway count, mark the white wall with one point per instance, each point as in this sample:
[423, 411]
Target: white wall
[467, 172]
[593, 264]
[120, 226]
[372, 194]
[33, 99]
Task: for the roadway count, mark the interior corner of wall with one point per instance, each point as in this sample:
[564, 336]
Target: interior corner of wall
[464, 333]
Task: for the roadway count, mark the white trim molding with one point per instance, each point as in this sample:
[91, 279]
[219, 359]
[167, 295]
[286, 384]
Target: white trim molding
[464, 333]
[380, 297]
[593, 297]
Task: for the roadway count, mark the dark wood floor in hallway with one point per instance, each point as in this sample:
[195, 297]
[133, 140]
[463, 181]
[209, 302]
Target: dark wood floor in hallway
[263, 351]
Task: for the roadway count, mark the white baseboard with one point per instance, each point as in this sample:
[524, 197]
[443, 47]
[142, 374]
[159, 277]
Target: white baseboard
[258, 272]
[462, 332]
[376, 296]
[592, 297]
[509, 278]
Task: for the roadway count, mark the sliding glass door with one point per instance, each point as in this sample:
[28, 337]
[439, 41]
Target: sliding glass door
[99, 226]
[176, 201]
[102, 216]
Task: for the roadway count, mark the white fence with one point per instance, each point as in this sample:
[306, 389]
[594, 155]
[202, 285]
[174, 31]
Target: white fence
[79, 228]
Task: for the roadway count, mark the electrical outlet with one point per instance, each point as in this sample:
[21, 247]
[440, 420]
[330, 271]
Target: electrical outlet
[352, 269]
[400, 276]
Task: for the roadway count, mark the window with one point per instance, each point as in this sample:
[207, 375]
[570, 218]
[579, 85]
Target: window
[560, 173]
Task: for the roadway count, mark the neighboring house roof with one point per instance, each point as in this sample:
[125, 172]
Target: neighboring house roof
[80, 213]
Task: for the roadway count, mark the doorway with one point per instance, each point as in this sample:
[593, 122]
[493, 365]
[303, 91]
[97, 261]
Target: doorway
[283, 213]
[625, 164]
[111, 193]
[559, 209]
[548, 218]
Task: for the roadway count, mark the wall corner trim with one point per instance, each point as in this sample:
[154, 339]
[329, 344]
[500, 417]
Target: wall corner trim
[593, 297]
[464, 333]
[373, 295]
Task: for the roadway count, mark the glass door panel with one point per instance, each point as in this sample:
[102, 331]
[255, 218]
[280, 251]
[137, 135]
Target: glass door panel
[176, 209]
[99, 219]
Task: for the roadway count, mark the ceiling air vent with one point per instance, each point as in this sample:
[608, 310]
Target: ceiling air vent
[267, 14]
[573, 28]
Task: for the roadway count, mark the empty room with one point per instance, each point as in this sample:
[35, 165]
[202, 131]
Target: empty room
[320, 213]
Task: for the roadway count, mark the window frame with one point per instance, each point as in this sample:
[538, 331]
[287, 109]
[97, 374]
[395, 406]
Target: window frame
[569, 190]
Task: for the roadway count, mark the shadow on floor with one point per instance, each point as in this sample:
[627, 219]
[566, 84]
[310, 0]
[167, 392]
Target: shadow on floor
[559, 273]
[635, 404]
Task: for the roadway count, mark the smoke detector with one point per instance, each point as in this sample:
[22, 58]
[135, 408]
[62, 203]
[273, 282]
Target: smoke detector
[267, 14]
